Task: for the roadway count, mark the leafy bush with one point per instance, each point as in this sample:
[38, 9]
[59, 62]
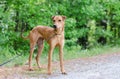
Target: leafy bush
[18, 15]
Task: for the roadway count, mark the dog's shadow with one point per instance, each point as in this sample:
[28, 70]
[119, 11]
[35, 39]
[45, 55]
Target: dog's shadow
[38, 73]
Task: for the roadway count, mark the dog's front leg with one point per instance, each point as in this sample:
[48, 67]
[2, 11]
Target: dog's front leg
[50, 59]
[61, 59]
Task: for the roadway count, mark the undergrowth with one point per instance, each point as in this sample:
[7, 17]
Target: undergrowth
[69, 53]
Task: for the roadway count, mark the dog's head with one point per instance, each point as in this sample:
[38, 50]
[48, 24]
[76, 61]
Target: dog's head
[58, 23]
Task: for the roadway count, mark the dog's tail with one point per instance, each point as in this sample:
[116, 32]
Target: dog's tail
[21, 35]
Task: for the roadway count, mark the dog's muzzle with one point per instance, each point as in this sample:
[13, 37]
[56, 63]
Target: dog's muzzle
[54, 26]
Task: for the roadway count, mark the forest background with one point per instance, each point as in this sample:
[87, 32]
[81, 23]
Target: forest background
[90, 25]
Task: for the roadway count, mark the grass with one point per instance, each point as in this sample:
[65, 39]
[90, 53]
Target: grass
[69, 53]
[4, 54]
[77, 53]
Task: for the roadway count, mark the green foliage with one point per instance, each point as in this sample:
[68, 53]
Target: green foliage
[4, 55]
[17, 15]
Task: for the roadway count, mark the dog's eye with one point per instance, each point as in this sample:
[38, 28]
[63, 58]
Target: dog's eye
[59, 20]
[53, 20]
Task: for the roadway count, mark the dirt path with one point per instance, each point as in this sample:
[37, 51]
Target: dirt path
[105, 66]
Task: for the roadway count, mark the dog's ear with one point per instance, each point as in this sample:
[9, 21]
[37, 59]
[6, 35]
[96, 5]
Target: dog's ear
[52, 17]
[64, 17]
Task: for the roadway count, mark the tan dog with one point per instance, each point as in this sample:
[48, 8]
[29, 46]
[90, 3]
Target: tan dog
[53, 36]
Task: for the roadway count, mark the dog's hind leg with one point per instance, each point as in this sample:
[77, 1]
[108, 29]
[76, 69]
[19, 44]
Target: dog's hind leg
[33, 40]
[32, 45]
[40, 48]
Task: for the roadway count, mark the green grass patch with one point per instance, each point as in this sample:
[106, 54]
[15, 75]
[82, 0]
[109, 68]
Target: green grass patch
[69, 53]
[4, 54]
[78, 53]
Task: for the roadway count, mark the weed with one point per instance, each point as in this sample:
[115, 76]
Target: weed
[69, 53]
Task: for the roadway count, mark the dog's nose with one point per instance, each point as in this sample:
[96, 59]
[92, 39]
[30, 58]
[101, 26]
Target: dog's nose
[54, 26]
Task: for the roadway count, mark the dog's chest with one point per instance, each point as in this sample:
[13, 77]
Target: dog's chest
[59, 38]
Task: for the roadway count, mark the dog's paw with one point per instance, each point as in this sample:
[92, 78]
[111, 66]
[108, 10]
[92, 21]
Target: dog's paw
[39, 67]
[49, 73]
[30, 69]
[64, 73]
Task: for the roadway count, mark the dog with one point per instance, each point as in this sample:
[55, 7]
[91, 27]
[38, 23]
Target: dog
[54, 37]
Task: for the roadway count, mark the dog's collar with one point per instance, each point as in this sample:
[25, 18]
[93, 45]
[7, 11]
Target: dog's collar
[57, 34]
[52, 36]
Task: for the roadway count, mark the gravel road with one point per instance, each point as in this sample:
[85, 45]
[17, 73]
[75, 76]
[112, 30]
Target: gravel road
[105, 66]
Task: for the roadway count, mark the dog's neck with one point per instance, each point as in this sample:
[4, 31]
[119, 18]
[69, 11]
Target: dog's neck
[59, 33]
[55, 34]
